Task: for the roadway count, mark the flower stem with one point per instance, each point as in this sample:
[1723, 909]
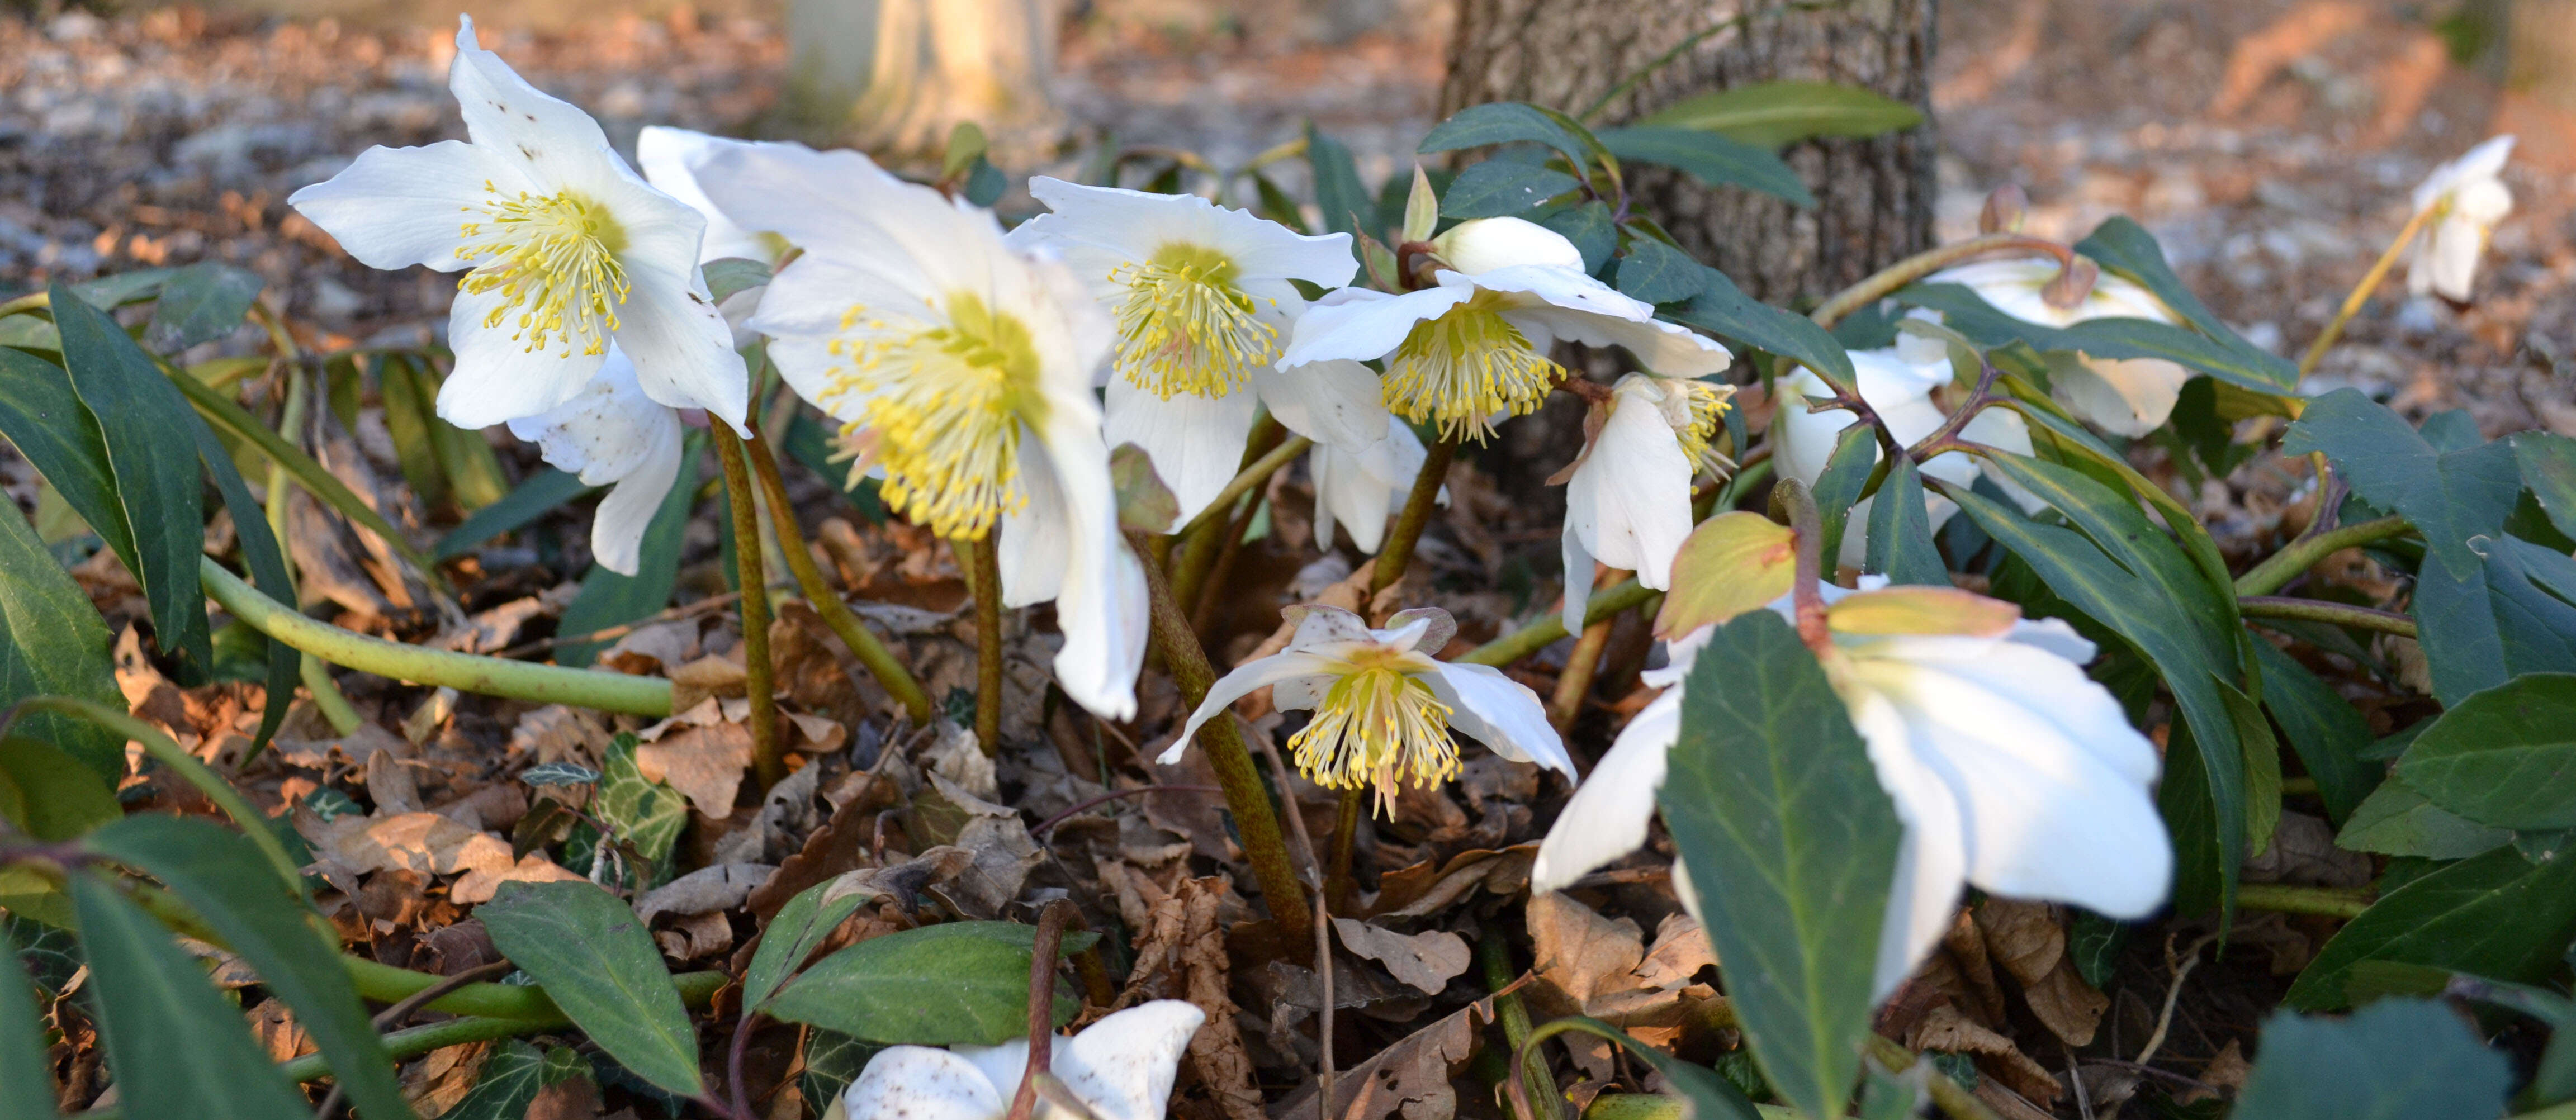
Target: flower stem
[987, 558]
[1496, 958]
[1392, 559]
[2330, 902]
[1879, 285]
[2276, 571]
[1254, 819]
[1042, 966]
[1543, 633]
[2319, 610]
[1346, 832]
[2352, 303]
[1576, 680]
[753, 573]
[1810, 603]
[880, 662]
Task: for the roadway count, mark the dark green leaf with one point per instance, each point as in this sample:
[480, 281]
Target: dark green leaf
[1724, 310]
[1275, 203]
[2397, 1059]
[1589, 227]
[267, 564]
[234, 888]
[526, 502]
[26, 1071]
[1657, 273]
[201, 303]
[1900, 531]
[63, 798]
[508, 1083]
[1773, 114]
[832, 1061]
[2396, 820]
[1791, 844]
[27, 332]
[52, 643]
[645, 813]
[1711, 158]
[963, 983]
[608, 599]
[55, 432]
[1496, 188]
[178, 1048]
[2548, 466]
[2504, 757]
[411, 406]
[2328, 732]
[159, 486]
[1339, 195]
[599, 964]
[1846, 473]
[1968, 313]
[2125, 247]
[2449, 497]
[2495, 914]
[985, 184]
[794, 934]
[810, 442]
[107, 293]
[1503, 122]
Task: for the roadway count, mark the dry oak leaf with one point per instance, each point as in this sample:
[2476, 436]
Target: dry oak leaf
[1945, 1029]
[703, 763]
[1181, 954]
[1426, 960]
[1411, 1077]
[707, 889]
[1424, 888]
[2027, 939]
[1580, 953]
[478, 886]
[424, 843]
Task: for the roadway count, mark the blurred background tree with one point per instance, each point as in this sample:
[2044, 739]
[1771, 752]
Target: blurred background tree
[894, 76]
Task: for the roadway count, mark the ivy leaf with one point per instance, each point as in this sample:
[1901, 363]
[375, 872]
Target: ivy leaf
[508, 1083]
[2397, 1059]
[601, 967]
[559, 774]
[645, 813]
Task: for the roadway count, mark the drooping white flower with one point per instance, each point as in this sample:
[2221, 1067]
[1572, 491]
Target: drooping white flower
[2010, 770]
[569, 251]
[961, 369]
[1475, 345]
[613, 434]
[1201, 295]
[668, 156]
[1628, 497]
[1898, 383]
[1383, 706]
[1120, 1068]
[2129, 396]
[1357, 489]
[2471, 199]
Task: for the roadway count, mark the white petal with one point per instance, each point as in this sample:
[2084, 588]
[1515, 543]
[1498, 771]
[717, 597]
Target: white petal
[1931, 859]
[1246, 677]
[498, 378]
[1195, 442]
[683, 351]
[920, 1083]
[1487, 244]
[1036, 535]
[1668, 349]
[1579, 569]
[1364, 326]
[1123, 1065]
[1335, 402]
[1630, 500]
[557, 145]
[1499, 712]
[818, 201]
[1608, 814]
[1101, 606]
[666, 156]
[2128, 397]
[398, 207]
[617, 528]
[613, 433]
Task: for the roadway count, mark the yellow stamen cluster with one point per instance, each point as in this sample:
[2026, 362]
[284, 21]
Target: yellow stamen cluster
[1464, 367]
[1185, 328]
[1375, 725]
[1706, 403]
[945, 405]
[554, 260]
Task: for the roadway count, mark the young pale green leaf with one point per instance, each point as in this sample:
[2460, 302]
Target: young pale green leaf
[1503, 122]
[52, 643]
[1724, 310]
[1712, 159]
[176, 1046]
[1499, 188]
[200, 303]
[62, 798]
[739, 274]
[1589, 227]
[2548, 465]
[2396, 820]
[1776, 114]
[526, 502]
[2125, 247]
[608, 599]
[508, 1083]
[2504, 757]
[1144, 503]
[598, 963]
[1734, 562]
[962, 983]
[793, 935]
[2397, 1059]
[26, 1073]
[2495, 914]
[2327, 732]
[1791, 845]
[1900, 531]
[267, 564]
[1421, 207]
[234, 888]
[1846, 473]
[1657, 273]
[158, 482]
[1339, 195]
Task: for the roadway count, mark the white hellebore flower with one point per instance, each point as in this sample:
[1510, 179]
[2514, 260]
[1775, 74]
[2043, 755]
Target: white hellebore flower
[1628, 496]
[1897, 383]
[1120, 1068]
[569, 251]
[961, 369]
[2467, 199]
[1201, 294]
[1383, 707]
[2010, 769]
[668, 157]
[1357, 489]
[1475, 345]
[2128, 396]
[613, 433]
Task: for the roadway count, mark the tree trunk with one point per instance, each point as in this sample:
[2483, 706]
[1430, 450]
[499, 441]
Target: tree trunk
[1874, 196]
[894, 76]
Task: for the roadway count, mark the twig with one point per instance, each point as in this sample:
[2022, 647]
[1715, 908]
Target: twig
[2169, 1075]
[1114, 795]
[2182, 967]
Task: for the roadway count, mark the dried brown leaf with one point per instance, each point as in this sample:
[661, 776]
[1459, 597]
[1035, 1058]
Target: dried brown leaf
[1946, 1029]
[1426, 960]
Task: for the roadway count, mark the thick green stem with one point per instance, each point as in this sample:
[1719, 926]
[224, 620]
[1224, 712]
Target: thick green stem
[2318, 610]
[1543, 633]
[987, 557]
[1254, 819]
[880, 662]
[2330, 902]
[1883, 283]
[2360, 294]
[169, 753]
[1496, 957]
[490, 676]
[1398, 553]
[2302, 554]
[753, 573]
[327, 697]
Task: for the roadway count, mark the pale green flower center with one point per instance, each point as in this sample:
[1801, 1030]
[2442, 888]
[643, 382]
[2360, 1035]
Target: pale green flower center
[1375, 725]
[553, 258]
[1185, 328]
[1465, 366]
[945, 404]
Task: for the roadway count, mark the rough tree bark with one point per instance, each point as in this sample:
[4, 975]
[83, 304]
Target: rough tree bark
[1874, 196]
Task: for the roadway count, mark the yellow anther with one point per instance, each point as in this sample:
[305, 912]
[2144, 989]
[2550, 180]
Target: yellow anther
[1376, 726]
[1185, 328]
[553, 259]
[1706, 404]
[944, 405]
[1464, 367]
